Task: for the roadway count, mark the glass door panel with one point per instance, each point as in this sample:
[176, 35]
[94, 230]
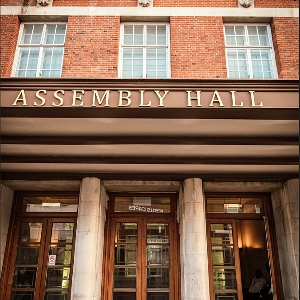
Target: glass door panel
[42, 265]
[158, 261]
[125, 260]
[141, 260]
[59, 261]
[26, 264]
[224, 261]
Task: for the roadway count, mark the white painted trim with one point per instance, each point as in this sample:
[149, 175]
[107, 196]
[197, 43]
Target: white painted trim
[149, 11]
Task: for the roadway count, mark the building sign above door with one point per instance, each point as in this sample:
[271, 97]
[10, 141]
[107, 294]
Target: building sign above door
[122, 95]
[138, 98]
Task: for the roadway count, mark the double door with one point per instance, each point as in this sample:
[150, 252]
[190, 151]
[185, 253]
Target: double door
[41, 259]
[142, 255]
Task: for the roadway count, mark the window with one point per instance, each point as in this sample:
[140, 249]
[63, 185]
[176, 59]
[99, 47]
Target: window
[144, 51]
[249, 51]
[40, 50]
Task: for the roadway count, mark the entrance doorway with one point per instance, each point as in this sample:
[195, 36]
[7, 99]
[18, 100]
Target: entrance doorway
[40, 250]
[141, 261]
[240, 242]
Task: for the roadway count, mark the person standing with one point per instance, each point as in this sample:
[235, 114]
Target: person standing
[257, 284]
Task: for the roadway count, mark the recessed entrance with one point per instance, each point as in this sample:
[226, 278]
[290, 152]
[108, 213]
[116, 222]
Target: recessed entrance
[40, 250]
[141, 249]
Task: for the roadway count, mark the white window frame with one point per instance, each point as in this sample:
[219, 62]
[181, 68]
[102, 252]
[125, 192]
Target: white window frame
[144, 47]
[41, 47]
[248, 48]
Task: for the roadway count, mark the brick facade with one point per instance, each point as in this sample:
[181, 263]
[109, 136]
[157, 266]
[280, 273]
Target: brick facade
[286, 45]
[92, 42]
[159, 3]
[9, 29]
[91, 48]
[201, 53]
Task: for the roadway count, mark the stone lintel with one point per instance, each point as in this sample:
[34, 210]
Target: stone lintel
[260, 187]
[43, 185]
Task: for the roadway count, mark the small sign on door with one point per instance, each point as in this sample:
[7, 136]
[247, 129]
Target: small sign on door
[52, 260]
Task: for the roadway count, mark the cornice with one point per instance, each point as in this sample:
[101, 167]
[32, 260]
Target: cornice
[148, 12]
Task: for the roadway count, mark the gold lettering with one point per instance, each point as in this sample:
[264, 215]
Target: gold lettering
[23, 99]
[142, 100]
[161, 98]
[233, 99]
[124, 98]
[96, 95]
[77, 97]
[253, 100]
[193, 98]
[216, 94]
[58, 98]
[37, 94]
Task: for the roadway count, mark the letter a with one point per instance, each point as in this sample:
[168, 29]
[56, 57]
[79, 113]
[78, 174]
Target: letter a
[23, 99]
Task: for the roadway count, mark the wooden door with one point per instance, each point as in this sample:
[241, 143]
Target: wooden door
[143, 259]
[225, 273]
[41, 259]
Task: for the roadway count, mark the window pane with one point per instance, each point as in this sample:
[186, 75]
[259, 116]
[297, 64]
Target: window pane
[52, 60]
[56, 295]
[62, 232]
[62, 253]
[138, 34]
[232, 205]
[144, 59]
[231, 54]
[32, 34]
[252, 30]
[128, 35]
[239, 30]
[152, 205]
[253, 40]
[226, 296]
[24, 277]
[125, 278]
[29, 58]
[151, 74]
[151, 53]
[151, 65]
[124, 296]
[224, 279]
[240, 41]
[257, 36]
[158, 296]
[151, 35]
[50, 204]
[158, 278]
[223, 255]
[229, 30]
[58, 278]
[162, 54]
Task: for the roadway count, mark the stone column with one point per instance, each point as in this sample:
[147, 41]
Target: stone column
[87, 268]
[193, 242]
[6, 199]
[285, 201]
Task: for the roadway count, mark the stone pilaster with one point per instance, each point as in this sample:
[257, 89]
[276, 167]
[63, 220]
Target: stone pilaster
[193, 242]
[285, 201]
[6, 199]
[87, 269]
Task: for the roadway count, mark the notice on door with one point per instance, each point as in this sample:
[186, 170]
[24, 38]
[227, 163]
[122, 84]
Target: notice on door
[52, 260]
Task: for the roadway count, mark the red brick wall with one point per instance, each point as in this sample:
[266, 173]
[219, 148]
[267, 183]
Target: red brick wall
[276, 3]
[92, 47]
[197, 47]
[159, 3]
[103, 3]
[9, 31]
[286, 45]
